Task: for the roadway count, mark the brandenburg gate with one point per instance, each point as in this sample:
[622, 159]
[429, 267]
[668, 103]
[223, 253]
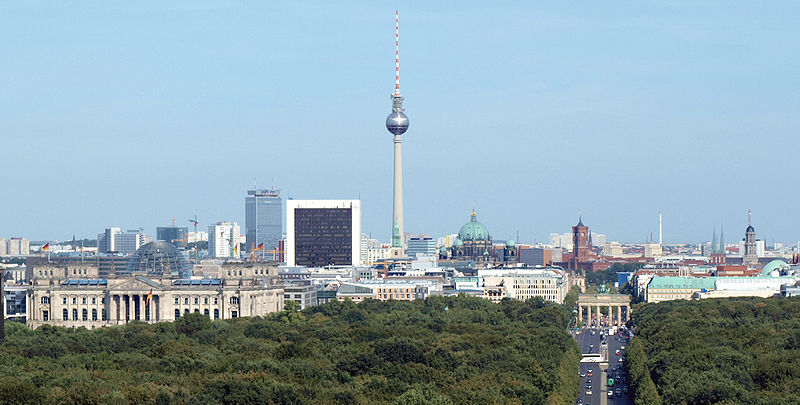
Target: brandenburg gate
[597, 301]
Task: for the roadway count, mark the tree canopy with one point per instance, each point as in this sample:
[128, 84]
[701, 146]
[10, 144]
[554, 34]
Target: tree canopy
[443, 350]
[716, 351]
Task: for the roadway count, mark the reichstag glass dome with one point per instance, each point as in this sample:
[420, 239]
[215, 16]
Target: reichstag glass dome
[159, 258]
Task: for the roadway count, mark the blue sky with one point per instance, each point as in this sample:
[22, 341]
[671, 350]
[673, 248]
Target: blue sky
[127, 114]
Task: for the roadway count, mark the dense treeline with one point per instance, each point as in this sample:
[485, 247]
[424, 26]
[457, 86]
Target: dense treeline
[443, 350]
[726, 351]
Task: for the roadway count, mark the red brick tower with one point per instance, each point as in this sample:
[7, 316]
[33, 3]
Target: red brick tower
[580, 243]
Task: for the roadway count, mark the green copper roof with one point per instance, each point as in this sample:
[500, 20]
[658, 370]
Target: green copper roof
[474, 231]
[511, 243]
[673, 282]
[773, 265]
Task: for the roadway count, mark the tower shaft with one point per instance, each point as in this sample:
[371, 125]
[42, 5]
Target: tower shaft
[397, 211]
[659, 228]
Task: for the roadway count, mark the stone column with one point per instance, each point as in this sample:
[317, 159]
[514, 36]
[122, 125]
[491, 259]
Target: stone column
[580, 315]
[588, 316]
[109, 308]
[598, 315]
[131, 313]
[619, 315]
[610, 316]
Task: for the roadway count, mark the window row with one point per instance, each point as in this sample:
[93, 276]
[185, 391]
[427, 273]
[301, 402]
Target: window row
[196, 300]
[84, 315]
[234, 314]
[46, 300]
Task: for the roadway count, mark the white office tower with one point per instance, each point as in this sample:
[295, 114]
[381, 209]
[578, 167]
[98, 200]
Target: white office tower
[114, 240]
[223, 240]
[323, 233]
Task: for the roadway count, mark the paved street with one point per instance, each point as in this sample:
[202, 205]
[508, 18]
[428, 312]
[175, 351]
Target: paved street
[591, 345]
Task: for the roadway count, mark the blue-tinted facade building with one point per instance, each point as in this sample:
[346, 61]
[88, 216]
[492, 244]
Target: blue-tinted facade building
[263, 220]
[174, 235]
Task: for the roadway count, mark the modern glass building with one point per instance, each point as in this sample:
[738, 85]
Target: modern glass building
[323, 233]
[175, 235]
[263, 220]
[426, 246]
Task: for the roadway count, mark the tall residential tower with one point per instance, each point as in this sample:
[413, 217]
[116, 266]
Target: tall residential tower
[397, 124]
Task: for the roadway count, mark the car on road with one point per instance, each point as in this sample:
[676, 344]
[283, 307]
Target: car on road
[588, 386]
[618, 392]
[622, 347]
[588, 393]
[582, 374]
[610, 394]
[617, 352]
[589, 373]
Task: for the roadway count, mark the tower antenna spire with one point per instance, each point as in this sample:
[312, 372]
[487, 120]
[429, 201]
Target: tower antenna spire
[397, 52]
[749, 218]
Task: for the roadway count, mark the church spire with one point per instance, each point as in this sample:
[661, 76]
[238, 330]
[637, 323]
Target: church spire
[714, 241]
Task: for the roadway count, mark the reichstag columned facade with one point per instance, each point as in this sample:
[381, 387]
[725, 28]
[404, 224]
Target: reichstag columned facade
[74, 295]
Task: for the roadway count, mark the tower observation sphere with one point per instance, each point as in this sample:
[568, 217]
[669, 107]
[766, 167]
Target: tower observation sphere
[397, 122]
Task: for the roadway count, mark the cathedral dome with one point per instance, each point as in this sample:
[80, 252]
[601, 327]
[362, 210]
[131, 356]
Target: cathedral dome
[458, 242]
[474, 231]
[510, 243]
[750, 228]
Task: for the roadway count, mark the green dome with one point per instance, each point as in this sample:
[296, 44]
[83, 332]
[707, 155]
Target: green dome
[773, 265]
[510, 243]
[458, 242]
[474, 231]
[442, 249]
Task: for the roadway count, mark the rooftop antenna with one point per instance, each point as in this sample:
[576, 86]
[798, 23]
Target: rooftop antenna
[255, 183]
[397, 52]
[749, 218]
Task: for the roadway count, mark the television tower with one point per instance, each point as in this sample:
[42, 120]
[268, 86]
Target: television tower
[397, 124]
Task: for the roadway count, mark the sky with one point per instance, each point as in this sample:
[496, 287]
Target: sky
[127, 114]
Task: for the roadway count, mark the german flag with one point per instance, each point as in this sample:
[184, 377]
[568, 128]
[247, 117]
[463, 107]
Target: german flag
[260, 246]
[149, 297]
[46, 247]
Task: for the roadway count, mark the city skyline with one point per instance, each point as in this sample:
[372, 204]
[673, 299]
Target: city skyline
[519, 118]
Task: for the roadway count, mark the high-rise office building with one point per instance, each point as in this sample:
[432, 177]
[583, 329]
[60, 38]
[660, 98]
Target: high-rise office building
[263, 221]
[18, 247]
[177, 236]
[114, 240]
[323, 232]
[223, 240]
[421, 245]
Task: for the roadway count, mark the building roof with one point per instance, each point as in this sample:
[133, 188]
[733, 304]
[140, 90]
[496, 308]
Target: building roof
[676, 282]
[474, 230]
[773, 265]
[159, 258]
